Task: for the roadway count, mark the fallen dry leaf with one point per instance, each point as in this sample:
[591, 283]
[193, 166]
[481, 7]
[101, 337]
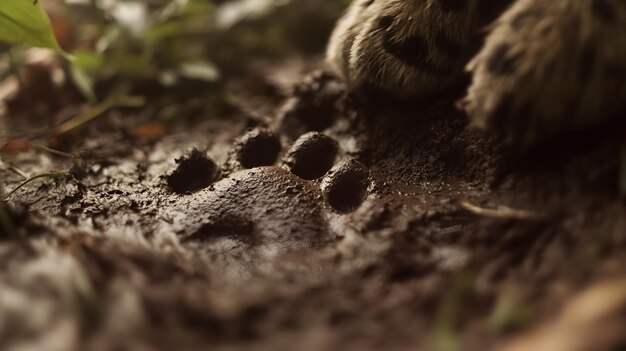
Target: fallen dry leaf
[16, 146]
[149, 131]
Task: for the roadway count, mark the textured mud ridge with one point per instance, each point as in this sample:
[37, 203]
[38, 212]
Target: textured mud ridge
[336, 222]
[263, 206]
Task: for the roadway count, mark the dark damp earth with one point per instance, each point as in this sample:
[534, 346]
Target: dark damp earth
[323, 222]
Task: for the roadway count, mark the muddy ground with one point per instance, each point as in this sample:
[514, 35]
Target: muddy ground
[396, 227]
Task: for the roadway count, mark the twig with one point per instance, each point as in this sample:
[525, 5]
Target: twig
[29, 180]
[17, 171]
[501, 212]
[53, 151]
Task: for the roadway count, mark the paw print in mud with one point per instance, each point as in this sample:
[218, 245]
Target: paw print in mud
[273, 199]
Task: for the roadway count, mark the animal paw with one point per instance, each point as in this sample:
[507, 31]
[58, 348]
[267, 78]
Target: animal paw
[549, 67]
[408, 48]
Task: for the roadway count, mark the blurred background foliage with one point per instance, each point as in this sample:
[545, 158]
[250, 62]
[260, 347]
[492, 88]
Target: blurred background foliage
[172, 49]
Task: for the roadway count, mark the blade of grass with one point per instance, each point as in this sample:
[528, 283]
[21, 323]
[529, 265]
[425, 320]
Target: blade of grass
[97, 110]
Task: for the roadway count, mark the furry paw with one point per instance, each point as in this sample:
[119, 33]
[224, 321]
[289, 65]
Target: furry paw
[549, 67]
[408, 48]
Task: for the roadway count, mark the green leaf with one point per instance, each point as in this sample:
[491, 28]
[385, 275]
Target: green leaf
[25, 22]
[88, 60]
[83, 82]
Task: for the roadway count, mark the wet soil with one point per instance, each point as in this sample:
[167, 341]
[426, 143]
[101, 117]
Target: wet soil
[327, 222]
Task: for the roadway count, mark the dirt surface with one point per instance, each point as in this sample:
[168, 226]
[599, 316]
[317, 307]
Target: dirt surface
[321, 221]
